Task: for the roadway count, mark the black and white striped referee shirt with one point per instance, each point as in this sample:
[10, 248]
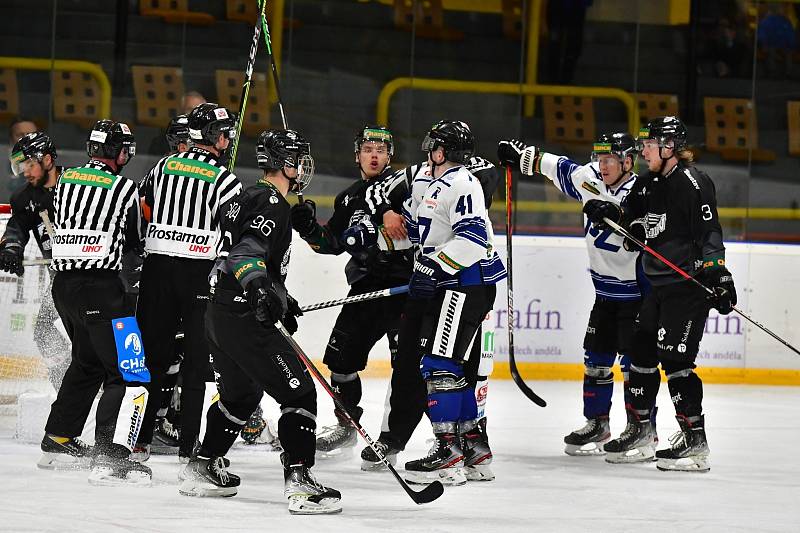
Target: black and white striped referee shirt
[97, 218]
[184, 193]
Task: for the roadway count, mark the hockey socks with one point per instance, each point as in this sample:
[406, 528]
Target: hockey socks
[222, 428]
[598, 384]
[447, 389]
[348, 387]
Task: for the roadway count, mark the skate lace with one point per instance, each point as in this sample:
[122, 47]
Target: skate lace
[332, 433]
[677, 440]
[433, 453]
[217, 466]
[79, 444]
[588, 428]
[169, 429]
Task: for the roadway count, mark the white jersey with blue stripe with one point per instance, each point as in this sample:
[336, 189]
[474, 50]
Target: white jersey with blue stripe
[613, 269]
[447, 218]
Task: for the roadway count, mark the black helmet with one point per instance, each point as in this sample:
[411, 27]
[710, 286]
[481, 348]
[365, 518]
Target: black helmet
[378, 134]
[276, 149]
[108, 139]
[452, 135]
[663, 130]
[178, 132]
[207, 121]
[31, 146]
[620, 144]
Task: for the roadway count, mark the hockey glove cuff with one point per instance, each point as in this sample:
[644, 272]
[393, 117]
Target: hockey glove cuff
[637, 230]
[293, 311]
[265, 301]
[360, 236]
[424, 278]
[597, 210]
[304, 218]
[11, 257]
[719, 279]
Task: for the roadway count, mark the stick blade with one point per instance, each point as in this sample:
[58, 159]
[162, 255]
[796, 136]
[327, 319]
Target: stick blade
[426, 495]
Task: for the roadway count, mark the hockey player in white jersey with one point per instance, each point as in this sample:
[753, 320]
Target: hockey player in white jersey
[615, 275]
[455, 272]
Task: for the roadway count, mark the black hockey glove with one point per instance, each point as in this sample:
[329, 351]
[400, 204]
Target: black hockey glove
[424, 278]
[304, 218]
[11, 257]
[509, 152]
[264, 300]
[719, 279]
[637, 230]
[597, 210]
[362, 235]
[293, 311]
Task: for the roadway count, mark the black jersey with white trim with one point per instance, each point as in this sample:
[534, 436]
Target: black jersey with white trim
[184, 193]
[97, 218]
[26, 205]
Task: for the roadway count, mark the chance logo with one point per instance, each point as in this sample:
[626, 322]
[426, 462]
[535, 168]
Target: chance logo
[88, 176]
[181, 166]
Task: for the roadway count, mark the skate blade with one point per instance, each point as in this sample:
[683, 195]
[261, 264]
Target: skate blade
[301, 506]
[479, 473]
[190, 487]
[685, 464]
[104, 477]
[586, 450]
[644, 454]
[451, 477]
[63, 462]
[164, 450]
[346, 452]
[369, 466]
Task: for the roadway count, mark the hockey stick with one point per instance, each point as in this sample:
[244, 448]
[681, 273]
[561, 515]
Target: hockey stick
[356, 298]
[36, 262]
[248, 76]
[426, 495]
[512, 363]
[268, 42]
[628, 235]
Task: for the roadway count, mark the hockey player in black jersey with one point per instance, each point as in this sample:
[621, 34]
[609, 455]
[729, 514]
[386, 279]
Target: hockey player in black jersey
[97, 313]
[183, 194]
[672, 208]
[359, 325]
[250, 355]
[34, 156]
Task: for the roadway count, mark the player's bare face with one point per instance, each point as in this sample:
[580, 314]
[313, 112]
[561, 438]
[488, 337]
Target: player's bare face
[651, 152]
[610, 168]
[34, 172]
[373, 158]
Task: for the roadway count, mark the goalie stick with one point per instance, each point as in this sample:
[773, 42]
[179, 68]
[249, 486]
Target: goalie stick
[512, 363]
[628, 235]
[426, 495]
[356, 298]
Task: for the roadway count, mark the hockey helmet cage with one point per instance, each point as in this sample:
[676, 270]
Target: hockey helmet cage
[621, 145]
[109, 138]
[33, 146]
[277, 149]
[178, 132]
[664, 130]
[379, 134]
[454, 137]
[207, 121]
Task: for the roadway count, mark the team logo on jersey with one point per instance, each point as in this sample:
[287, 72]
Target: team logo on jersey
[285, 261]
[653, 224]
[591, 188]
[233, 210]
[190, 168]
[661, 334]
[88, 176]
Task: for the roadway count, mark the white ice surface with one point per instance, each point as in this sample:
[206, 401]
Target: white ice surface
[754, 483]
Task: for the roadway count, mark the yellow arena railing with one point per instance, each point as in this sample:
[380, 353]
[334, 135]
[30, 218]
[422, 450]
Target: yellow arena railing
[66, 65]
[489, 87]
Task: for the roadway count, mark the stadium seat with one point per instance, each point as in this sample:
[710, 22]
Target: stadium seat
[9, 95]
[174, 12]
[158, 93]
[656, 105]
[568, 120]
[76, 98]
[732, 130]
[512, 19]
[793, 119]
[429, 22]
[229, 94]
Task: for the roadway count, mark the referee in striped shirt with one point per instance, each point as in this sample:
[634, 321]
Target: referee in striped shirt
[97, 219]
[182, 199]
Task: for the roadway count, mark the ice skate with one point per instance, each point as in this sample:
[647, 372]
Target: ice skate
[337, 441]
[636, 444]
[140, 453]
[688, 451]
[113, 466]
[589, 439]
[166, 438]
[370, 461]
[444, 462]
[477, 453]
[64, 453]
[305, 494]
[208, 477]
